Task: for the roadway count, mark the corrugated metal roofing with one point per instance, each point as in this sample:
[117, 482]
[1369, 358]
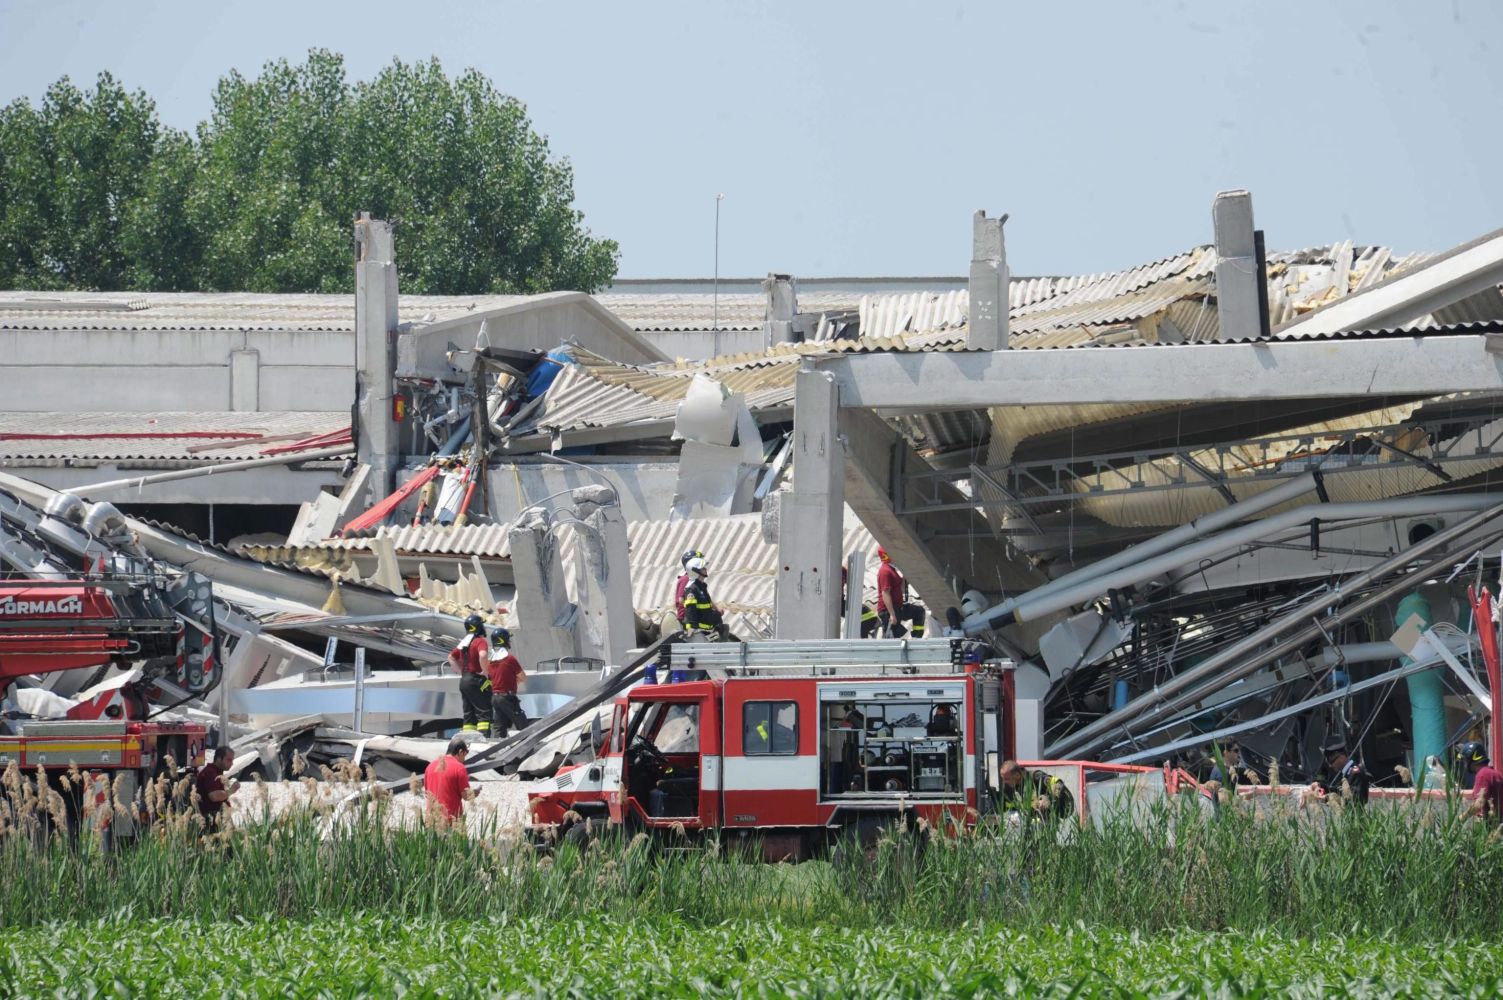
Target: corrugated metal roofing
[169, 436]
[288, 313]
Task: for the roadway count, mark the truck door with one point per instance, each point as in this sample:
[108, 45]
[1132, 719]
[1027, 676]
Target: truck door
[671, 770]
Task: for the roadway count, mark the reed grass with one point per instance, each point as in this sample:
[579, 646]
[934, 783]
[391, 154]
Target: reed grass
[1398, 873]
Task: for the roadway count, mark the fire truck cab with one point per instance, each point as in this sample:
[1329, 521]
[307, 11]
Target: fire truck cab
[796, 744]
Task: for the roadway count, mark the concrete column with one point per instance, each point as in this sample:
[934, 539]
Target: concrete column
[811, 516]
[245, 381]
[377, 438]
[782, 307]
[1237, 275]
[986, 327]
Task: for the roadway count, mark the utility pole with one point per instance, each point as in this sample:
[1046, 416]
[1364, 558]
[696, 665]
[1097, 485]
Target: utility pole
[715, 324]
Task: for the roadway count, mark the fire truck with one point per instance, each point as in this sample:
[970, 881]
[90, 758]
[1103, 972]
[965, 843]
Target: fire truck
[793, 744]
[149, 624]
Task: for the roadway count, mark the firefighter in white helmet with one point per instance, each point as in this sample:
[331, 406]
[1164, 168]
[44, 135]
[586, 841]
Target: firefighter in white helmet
[701, 617]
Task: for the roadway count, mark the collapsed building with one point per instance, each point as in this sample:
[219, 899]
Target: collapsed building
[1229, 492]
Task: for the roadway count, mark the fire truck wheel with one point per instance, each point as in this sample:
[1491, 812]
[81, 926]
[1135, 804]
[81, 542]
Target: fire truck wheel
[578, 835]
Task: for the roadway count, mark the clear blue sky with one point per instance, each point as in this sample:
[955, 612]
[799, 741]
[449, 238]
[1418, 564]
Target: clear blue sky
[858, 138]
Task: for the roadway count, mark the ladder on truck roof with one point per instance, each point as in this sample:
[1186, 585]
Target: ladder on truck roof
[821, 657]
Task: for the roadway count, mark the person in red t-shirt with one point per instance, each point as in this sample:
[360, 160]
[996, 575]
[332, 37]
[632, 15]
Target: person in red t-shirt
[1487, 786]
[446, 779]
[893, 606]
[468, 659]
[505, 673]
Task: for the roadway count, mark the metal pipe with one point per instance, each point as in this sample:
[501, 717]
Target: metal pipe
[209, 470]
[1181, 690]
[1214, 521]
[1032, 609]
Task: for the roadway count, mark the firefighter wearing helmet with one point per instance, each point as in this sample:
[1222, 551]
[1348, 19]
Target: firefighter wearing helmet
[468, 659]
[701, 617]
[682, 583]
[1487, 781]
[503, 674]
[893, 606]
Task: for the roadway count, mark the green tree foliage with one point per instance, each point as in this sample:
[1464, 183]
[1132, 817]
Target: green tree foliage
[73, 184]
[95, 193]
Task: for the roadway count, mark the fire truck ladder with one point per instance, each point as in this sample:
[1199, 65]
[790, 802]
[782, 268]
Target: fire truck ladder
[821, 657]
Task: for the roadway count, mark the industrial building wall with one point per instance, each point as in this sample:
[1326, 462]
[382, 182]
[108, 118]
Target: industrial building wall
[171, 370]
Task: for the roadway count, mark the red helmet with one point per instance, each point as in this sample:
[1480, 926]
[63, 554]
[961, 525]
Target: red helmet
[882, 554]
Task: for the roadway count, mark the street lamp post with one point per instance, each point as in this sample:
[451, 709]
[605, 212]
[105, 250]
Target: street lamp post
[715, 323]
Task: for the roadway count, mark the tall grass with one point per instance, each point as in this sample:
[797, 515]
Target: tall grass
[1414, 876]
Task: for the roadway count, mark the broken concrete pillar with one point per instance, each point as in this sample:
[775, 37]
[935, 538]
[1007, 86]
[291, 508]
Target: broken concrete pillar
[782, 308]
[810, 516]
[1237, 276]
[377, 438]
[607, 622]
[986, 327]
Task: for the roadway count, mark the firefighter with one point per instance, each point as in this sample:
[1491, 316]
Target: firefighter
[682, 583]
[701, 617]
[1343, 772]
[504, 671]
[893, 606]
[468, 659]
[1487, 782]
[213, 790]
[446, 780]
[1034, 792]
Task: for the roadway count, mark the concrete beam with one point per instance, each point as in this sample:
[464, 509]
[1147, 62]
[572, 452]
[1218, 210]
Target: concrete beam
[1237, 275]
[1369, 366]
[1397, 301]
[986, 326]
[278, 484]
[810, 516]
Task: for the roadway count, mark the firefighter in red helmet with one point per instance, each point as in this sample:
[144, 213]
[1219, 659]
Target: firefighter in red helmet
[893, 606]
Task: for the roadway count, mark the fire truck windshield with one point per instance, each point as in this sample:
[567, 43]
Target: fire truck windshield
[678, 732]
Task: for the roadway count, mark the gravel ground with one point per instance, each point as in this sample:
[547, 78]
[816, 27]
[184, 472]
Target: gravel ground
[497, 798]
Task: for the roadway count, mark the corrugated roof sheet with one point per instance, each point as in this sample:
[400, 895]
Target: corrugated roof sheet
[203, 437]
[220, 310]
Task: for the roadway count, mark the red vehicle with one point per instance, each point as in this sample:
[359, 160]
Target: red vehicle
[796, 744]
[48, 626]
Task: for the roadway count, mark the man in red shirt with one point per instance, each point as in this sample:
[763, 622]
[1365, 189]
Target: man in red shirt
[1487, 786]
[213, 792]
[505, 673]
[893, 606]
[446, 779]
[468, 659]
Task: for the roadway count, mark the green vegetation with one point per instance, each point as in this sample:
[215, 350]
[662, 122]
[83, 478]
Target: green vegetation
[373, 955]
[304, 903]
[96, 194]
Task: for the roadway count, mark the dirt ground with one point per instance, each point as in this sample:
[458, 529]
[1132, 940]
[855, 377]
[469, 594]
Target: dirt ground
[498, 800]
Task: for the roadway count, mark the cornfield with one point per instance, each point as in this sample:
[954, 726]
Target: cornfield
[1170, 899]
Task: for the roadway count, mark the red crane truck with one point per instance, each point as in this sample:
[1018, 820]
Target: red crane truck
[795, 744]
[92, 622]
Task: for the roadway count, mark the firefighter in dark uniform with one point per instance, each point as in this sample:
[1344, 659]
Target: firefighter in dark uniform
[1342, 771]
[1034, 792]
[504, 672]
[701, 617]
[469, 659]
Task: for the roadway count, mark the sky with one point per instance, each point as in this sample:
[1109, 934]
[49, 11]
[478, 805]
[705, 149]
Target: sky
[858, 139]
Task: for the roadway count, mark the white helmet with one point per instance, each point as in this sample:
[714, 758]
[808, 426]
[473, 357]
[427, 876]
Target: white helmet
[697, 566]
[971, 602]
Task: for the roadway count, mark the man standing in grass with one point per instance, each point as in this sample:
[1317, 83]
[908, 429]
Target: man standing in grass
[1346, 775]
[446, 779]
[211, 789]
[1487, 785]
[1035, 792]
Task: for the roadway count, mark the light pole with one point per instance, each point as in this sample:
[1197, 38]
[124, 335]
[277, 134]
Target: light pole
[715, 323]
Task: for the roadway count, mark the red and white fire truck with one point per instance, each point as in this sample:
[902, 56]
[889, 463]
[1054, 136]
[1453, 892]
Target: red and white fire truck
[795, 744]
[131, 621]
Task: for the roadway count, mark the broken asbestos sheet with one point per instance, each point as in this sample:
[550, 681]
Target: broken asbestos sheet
[721, 454]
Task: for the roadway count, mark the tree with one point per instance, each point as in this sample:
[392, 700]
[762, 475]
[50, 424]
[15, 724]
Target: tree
[95, 193]
[478, 206]
[72, 174]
